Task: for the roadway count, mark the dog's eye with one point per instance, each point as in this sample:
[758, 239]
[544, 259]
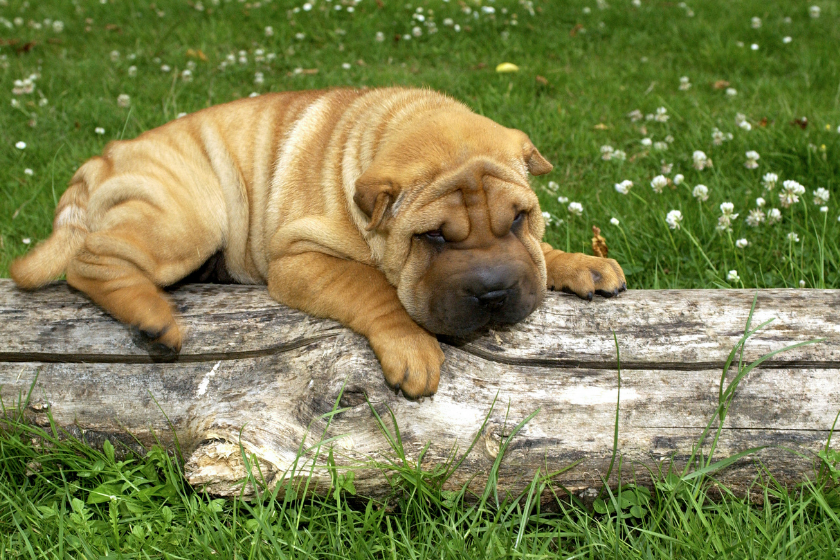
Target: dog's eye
[520, 217]
[435, 236]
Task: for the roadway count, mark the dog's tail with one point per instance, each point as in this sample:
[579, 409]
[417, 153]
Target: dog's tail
[49, 259]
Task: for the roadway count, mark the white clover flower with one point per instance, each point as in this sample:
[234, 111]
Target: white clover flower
[666, 167]
[824, 209]
[624, 186]
[661, 114]
[447, 22]
[562, 199]
[614, 221]
[20, 145]
[792, 237]
[685, 84]
[115, 56]
[673, 219]
[28, 171]
[700, 160]
[731, 92]
[619, 155]
[416, 31]
[300, 36]
[745, 126]
[755, 217]
[26, 241]
[548, 218]
[635, 115]
[43, 102]
[774, 216]
[760, 202]
[752, 159]
[658, 183]
[717, 137]
[552, 186]
[732, 276]
[607, 152]
[814, 12]
[165, 68]
[770, 180]
[787, 39]
[646, 142]
[306, 7]
[123, 100]
[678, 179]
[802, 283]
[259, 78]
[755, 22]
[754, 46]
[742, 243]
[132, 71]
[791, 191]
[727, 217]
[99, 130]
[669, 139]
[701, 193]
[15, 103]
[821, 196]
[380, 36]
[269, 31]
[58, 26]
[575, 208]
[660, 146]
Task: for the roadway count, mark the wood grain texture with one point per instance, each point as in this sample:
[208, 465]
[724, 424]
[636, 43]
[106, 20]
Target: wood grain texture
[256, 373]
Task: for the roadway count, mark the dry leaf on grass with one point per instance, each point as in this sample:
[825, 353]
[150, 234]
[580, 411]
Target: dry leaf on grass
[599, 244]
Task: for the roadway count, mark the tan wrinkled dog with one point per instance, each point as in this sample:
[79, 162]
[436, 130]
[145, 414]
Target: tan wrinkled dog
[398, 212]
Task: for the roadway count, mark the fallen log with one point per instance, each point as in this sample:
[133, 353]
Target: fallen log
[254, 373]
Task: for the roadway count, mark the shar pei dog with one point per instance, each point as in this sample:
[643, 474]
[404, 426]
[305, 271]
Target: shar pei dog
[398, 212]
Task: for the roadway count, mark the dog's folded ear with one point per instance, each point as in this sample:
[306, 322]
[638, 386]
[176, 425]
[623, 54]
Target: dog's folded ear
[537, 164]
[374, 195]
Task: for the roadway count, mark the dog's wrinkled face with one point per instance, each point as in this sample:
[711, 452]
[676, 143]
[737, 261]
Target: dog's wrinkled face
[461, 223]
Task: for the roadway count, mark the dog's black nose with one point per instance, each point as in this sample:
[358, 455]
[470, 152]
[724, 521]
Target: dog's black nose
[494, 300]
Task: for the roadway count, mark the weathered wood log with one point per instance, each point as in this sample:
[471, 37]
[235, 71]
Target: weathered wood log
[257, 374]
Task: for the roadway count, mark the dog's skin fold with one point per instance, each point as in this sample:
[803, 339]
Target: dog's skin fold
[398, 212]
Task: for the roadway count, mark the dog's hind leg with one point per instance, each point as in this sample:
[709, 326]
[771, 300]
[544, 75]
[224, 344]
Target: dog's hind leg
[122, 268]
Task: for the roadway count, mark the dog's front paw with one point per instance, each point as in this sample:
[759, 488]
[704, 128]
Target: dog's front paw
[410, 361]
[584, 275]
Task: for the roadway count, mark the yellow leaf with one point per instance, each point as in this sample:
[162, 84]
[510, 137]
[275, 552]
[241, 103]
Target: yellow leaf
[506, 67]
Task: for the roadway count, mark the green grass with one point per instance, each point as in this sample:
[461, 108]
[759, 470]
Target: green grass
[622, 58]
[64, 500]
[594, 69]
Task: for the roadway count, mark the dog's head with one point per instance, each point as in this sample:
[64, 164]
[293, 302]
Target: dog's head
[449, 194]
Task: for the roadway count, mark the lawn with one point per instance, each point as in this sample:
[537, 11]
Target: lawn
[699, 105]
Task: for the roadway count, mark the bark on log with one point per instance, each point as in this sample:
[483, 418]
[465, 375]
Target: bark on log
[254, 372]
